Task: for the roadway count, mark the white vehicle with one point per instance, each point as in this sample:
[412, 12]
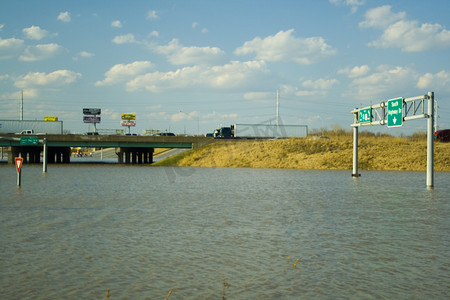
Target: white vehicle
[29, 131]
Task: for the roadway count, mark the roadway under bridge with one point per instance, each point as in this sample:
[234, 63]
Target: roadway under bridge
[129, 149]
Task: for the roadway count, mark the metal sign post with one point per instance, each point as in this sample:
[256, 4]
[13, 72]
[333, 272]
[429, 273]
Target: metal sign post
[44, 156]
[430, 142]
[393, 113]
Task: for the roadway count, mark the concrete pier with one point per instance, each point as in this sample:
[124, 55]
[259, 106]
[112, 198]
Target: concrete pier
[58, 154]
[32, 154]
[29, 154]
[134, 155]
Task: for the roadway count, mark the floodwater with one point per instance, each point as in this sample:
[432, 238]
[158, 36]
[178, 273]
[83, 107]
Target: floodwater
[212, 233]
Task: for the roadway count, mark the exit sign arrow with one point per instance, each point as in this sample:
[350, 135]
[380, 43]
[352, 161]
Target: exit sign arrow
[395, 112]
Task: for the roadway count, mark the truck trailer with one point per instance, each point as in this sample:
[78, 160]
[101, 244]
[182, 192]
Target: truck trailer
[34, 126]
[261, 131]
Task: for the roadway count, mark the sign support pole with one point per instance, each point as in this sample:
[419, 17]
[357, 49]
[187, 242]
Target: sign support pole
[430, 142]
[44, 157]
[355, 152]
[19, 178]
[398, 111]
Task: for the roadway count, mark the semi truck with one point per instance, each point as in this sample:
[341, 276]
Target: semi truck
[260, 131]
[31, 127]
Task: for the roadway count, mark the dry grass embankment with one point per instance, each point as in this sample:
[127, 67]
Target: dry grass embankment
[333, 153]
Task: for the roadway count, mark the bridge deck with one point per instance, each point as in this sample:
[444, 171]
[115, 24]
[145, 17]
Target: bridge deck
[108, 141]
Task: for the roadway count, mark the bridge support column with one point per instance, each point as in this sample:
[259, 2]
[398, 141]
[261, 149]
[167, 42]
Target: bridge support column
[119, 154]
[134, 155]
[58, 154]
[30, 154]
[127, 156]
[13, 153]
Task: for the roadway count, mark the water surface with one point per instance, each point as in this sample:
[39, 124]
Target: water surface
[206, 233]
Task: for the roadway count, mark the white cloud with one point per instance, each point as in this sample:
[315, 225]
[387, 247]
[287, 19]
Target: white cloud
[182, 116]
[319, 84]
[409, 36]
[354, 4]
[154, 33]
[124, 39]
[214, 116]
[86, 54]
[306, 93]
[54, 79]
[229, 116]
[116, 24]
[356, 71]
[285, 47]
[436, 81]
[152, 15]
[316, 87]
[161, 115]
[177, 54]
[233, 75]
[263, 97]
[10, 47]
[204, 30]
[28, 94]
[121, 72]
[83, 54]
[64, 17]
[381, 17]
[40, 52]
[385, 81]
[194, 25]
[1, 26]
[35, 32]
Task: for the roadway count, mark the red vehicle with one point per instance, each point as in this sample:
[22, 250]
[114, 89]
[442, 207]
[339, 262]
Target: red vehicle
[442, 135]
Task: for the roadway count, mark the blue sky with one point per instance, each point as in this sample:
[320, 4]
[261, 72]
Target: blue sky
[191, 66]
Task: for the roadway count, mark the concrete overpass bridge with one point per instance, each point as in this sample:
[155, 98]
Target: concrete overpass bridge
[129, 149]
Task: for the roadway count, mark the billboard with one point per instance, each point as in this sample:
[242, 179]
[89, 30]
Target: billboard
[51, 119]
[89, 119]
[128, 116]
[92, 111]
[128, 123]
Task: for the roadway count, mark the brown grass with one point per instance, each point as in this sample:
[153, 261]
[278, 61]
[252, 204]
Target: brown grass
[333, 153]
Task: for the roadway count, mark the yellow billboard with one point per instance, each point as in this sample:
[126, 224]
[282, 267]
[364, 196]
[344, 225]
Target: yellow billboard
[128, 116]
[51, 119]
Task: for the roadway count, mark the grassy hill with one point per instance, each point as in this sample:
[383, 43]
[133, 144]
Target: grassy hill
[333, 152]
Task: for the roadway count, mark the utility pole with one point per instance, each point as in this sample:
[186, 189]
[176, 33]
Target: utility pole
[21, 108]
[278, 106]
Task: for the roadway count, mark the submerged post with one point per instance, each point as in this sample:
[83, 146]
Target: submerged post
[44, 157]
[430, 142]
[355, 152]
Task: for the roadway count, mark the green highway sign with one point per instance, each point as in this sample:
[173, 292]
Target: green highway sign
[29, 140]
[365, 115]
[395, 112]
